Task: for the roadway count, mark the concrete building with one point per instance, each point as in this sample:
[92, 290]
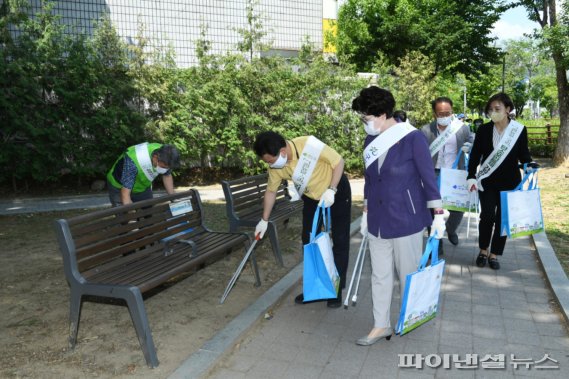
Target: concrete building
[178, 23]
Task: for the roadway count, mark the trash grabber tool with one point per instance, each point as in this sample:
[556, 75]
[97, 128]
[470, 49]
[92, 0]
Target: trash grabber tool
[355, 297]
[362, 247]
[239, 269]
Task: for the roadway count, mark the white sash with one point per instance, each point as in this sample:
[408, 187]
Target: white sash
[385, 140]
[440, 141]
[144, 161]
[511, 134]
[306, 164]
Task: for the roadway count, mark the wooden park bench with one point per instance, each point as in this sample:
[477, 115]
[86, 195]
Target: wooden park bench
[244, 206]
[123, 252]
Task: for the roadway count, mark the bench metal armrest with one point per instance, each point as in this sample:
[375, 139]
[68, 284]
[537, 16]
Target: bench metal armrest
[169, 249]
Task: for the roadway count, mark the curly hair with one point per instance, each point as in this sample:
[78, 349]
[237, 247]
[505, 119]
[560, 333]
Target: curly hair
[374, 101]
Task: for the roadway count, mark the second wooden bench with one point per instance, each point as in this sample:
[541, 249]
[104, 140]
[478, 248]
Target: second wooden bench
[244, 206]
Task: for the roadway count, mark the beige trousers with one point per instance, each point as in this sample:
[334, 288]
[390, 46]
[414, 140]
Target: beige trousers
[402, 254]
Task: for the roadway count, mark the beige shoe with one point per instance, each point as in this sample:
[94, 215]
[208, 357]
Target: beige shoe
[367, 341]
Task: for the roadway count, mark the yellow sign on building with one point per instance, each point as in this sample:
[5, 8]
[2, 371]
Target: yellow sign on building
[329, 28]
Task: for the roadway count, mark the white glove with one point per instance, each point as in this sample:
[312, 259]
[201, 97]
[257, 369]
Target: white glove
[261, 228]
[438, 226]
[472, 185]
[327, 198]
[465, 149]
[293, 193]
[363, 224]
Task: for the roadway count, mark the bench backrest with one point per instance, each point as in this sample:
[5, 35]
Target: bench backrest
[112, 236]
[244, 196]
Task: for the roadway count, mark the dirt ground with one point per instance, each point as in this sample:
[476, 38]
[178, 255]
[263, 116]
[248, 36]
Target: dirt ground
[34, 303]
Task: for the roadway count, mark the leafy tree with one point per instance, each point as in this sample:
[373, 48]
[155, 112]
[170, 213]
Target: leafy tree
[454, 34]
[414, 87]
[63, 98]
[524, 61]
[481, 87]
[555, 32]
[252, 36]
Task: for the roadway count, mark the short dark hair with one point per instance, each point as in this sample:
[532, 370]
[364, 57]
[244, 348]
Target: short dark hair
[268, 143]
[501, 97]
[374, 101]
[169, 155]
[439, 100]
[400, 116]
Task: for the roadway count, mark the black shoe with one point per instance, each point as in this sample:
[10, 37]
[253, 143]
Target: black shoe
[481, 260]
[453, 238]
[299, 299]
[337, 302]
[493, 263]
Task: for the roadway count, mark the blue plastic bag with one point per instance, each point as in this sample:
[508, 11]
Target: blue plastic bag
[320, 276]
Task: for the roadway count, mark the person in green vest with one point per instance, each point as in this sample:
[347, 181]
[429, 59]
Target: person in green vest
[130, 178]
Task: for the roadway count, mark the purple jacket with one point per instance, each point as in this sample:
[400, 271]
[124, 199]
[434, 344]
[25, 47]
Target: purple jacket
[397, 197]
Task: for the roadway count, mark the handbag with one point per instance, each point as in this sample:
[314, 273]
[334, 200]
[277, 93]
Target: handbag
[521, 208]
[420, 301]
[320, 276]
[454, 189]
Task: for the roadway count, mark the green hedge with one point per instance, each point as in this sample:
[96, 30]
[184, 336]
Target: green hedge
[69, 105]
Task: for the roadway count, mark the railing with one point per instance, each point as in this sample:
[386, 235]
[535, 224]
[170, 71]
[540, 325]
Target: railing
[546, 135]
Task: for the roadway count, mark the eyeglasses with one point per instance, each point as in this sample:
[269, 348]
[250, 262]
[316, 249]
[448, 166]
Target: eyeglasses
[444, 114]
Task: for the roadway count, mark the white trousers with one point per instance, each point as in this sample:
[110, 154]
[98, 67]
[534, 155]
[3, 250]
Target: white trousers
[402, 254]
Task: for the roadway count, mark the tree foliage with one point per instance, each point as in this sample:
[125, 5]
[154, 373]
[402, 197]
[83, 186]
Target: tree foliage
[63, 97]
[554, 24]
[454, 34]
[69, 104]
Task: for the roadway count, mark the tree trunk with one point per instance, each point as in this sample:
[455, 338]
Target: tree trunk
[561, 154]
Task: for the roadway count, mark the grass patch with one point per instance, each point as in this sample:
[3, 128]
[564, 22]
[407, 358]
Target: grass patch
[555, 207]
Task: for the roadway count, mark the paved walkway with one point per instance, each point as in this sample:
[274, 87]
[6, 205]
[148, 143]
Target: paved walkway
[101, 200]
[483, 312]
[64, 203]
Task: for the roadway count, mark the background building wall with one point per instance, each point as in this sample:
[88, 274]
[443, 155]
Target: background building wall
[177, 22]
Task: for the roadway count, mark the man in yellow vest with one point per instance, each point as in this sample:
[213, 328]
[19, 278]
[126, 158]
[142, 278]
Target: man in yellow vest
[130, 178]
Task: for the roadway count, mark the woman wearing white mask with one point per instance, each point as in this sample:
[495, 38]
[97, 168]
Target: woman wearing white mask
[400, 188]
[498, 147]
[317, 171]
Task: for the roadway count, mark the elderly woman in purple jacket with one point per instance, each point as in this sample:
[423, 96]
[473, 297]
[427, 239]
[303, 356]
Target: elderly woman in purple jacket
[400, 187]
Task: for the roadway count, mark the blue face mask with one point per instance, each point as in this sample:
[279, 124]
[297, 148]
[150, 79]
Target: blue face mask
[444, 121]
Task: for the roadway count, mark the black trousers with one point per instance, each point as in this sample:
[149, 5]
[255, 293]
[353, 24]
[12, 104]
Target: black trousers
[490, 222]
[341, 219]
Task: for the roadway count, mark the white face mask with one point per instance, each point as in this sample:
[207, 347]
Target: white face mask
[280, 162]
[444, 121]
[370, 129]
[161, 170]
[497, 116]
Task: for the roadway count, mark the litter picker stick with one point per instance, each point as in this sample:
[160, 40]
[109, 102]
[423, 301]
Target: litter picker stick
[469, 215]
[355, 297]
[362, 246]
[239, 269]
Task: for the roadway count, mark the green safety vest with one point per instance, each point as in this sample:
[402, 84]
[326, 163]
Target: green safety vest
[142, 183]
